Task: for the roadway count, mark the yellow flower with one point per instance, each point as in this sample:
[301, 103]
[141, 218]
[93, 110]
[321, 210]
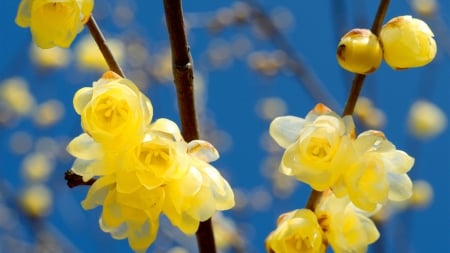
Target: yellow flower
[359, 51]
[200, 193]
[113, 112]
[346, 228]
[132, 215]
[297, 231]
[160, 158]
[407, 43]
[379, 173]
[318, 147]
[54, 23]
[160, 173]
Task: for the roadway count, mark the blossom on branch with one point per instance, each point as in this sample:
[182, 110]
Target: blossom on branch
[322, 151]
[142, 169]
[54, 23]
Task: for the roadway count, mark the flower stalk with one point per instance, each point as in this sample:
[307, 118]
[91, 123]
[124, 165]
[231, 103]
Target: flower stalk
[101, 43]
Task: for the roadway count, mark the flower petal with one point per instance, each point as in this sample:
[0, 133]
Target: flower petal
[400, 187]
[84, 147]
[284, 130]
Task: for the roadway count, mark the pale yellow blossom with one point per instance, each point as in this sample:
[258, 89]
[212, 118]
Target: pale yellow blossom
[114, 112]
[297, 231]
[317, 148]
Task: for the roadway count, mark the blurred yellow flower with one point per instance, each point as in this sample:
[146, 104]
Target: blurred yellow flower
[89, 56]
[359, 51]
[426, 119]
[422, 194]
[407, 43]
[15, 93]
[297, 231]
[371, 116]
[424, 7]
[36, 200]
[48, 113]
[54, 57]
[113, 112]
[318, 148]
[54, 23]
[37, 166]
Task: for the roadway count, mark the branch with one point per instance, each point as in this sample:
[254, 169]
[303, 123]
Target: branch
[101, 43]
[183, 77]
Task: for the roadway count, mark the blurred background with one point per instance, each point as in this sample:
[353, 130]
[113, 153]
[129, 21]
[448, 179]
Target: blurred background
[254, 60]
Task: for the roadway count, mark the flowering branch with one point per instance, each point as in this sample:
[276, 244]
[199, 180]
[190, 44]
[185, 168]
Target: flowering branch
[73, 179]
[183, 77]
[357, 84]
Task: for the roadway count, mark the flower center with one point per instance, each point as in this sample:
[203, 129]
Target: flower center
[319, 148]
[155, 156]
[111, 112]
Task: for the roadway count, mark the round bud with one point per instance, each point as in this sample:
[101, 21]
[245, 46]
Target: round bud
[359, 51]
[407, 43]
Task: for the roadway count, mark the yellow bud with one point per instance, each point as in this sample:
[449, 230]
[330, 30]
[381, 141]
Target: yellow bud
[359, 51]
[407, 43]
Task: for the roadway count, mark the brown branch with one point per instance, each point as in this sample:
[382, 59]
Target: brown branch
[76, 180]
[101, 43]
[183, 77]
[357, 84]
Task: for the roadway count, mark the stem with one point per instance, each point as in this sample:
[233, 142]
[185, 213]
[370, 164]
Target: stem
[357, 84]
[101, 43]
[183, 73]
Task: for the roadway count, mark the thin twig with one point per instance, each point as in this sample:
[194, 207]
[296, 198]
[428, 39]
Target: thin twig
[183, 77]
[101, 43]
[296, 64]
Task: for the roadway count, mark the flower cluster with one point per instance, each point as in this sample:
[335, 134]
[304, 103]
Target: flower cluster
[54, 23]
[404, 42]
[335, 221]
[323, 151]
[142, 169]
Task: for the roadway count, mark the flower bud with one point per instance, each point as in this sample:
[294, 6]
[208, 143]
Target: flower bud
[407, 43]
[359, 51]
